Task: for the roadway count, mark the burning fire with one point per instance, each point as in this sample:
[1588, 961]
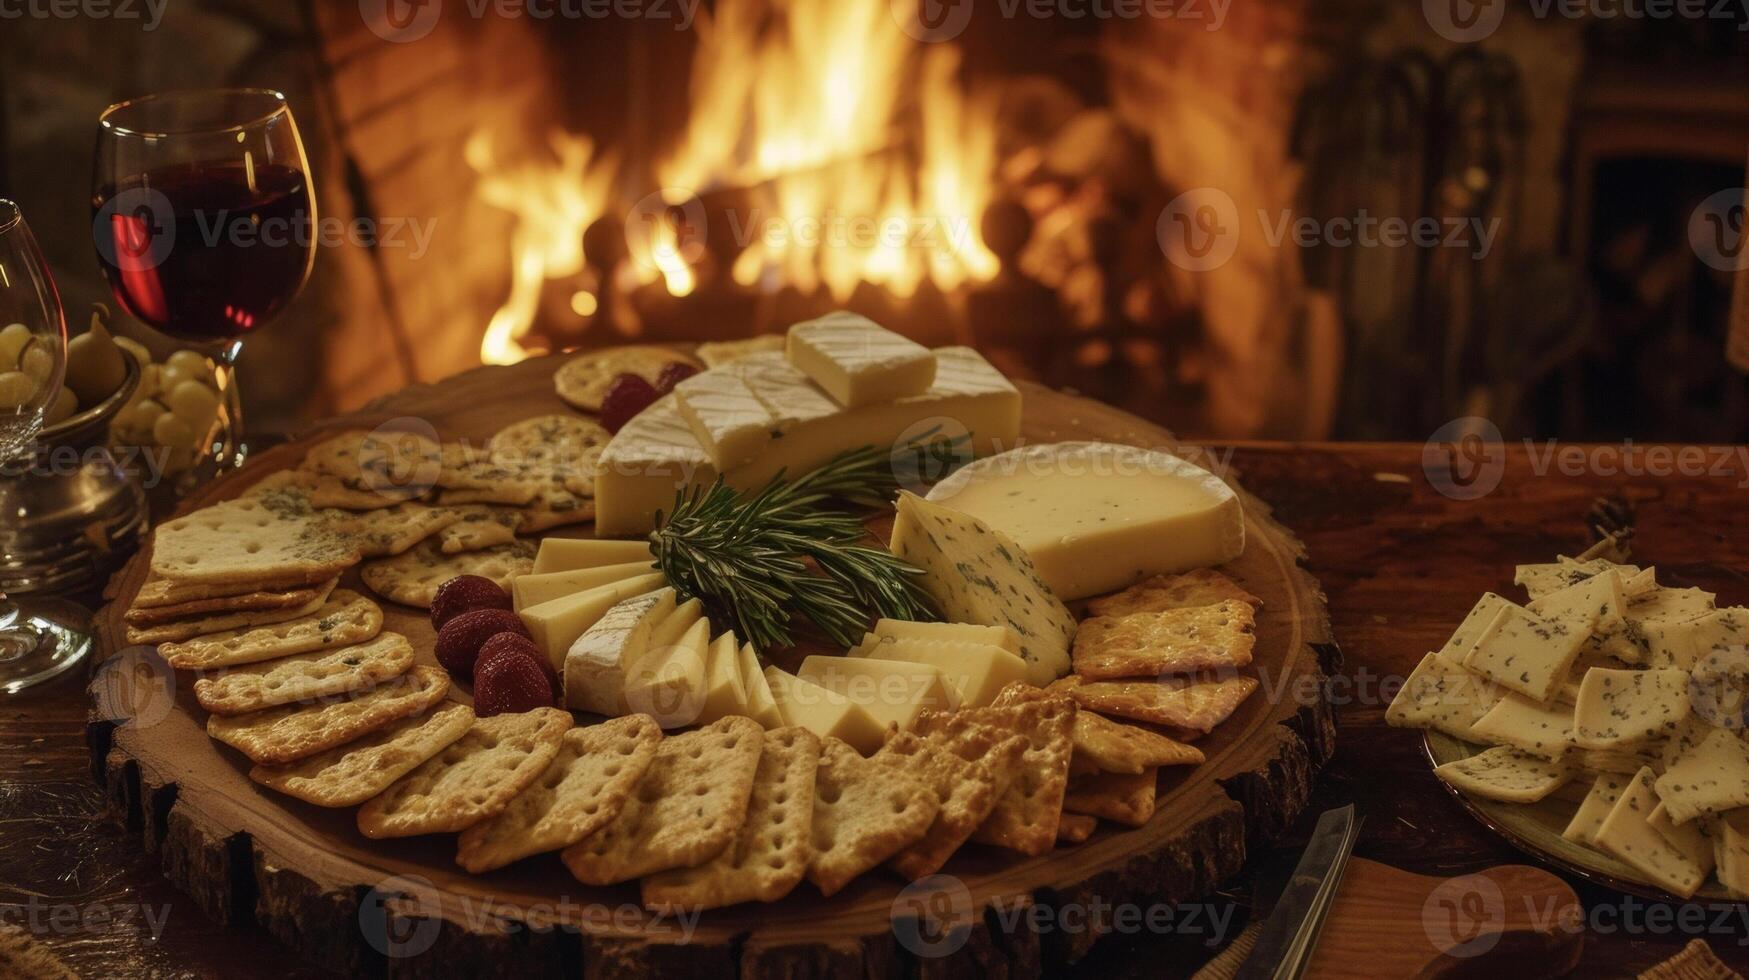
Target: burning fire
[856, 155]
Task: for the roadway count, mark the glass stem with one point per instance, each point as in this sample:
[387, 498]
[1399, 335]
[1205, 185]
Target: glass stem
[231, 453]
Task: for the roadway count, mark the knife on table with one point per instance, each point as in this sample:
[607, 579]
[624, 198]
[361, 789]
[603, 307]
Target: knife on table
[1285, 944]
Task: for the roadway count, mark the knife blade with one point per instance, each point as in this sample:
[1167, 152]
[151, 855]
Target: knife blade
[1285, 944]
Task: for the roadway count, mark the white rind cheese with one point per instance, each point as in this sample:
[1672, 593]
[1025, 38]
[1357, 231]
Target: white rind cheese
[1097, 517]
[859, 362]
[979, 575]
[728, 420]
[598, 663]
[556, 624]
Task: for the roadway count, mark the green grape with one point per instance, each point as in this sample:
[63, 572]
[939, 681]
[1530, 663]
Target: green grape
[142, 356]
[37, 362]
[173, 432]
[12, 341]
[187, 365]
[194, 403]
[16, 390]
[65, 406]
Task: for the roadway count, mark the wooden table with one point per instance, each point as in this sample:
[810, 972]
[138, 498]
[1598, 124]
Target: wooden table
[1401, 562]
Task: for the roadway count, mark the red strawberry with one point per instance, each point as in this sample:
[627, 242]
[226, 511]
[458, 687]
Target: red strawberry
[465, 593]
[628, 395]
[521, 644]
[460, 640]
[673, 374]
[508, 680]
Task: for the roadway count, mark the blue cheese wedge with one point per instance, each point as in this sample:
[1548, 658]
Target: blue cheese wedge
[1710, 777]
[1524, 652]
[1443, 696]
[1627, 835]
[1626, 708]
[1544, 730]
[979, 575]
[1480, 617]
[859, 362]
[1504, 774]
[1606, 789]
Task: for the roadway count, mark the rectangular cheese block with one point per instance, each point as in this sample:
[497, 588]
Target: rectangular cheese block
[534, 589]
[893, 691]
[597, 665]
[725, 693]
[656, 454]
[976, 671]
[761, 706]
[859, 362]
[557, 624]
[669, 683]
[567, 554]
[1525, 652]
[888, 630]
[728, 420]
[824, 712]
[1627, 834]
[978, 575]
[1096, 517]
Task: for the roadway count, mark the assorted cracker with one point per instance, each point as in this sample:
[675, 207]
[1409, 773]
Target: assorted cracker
[1025, 817]
[1174, 641]
[305, 677]
[412, 578]
[1123, 798]
[355, 772]
[285, 734]
[864, 813]
[716, 353]
[584, 379]
[471, 780]
[246, 540]
[968, 789]
[256, 601]
[187, 629]
[1161, 593]
[1194, 703]
[345, 619]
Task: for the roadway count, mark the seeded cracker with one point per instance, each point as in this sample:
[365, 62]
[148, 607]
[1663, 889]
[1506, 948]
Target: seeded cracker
[1177, 641]
[669, 823]
[305, 677]
[393, 530]
[480, 527]
[1025, 817]
[1194, 703]
[158, 592]
[864, 813]
[584, 379]
[355, 772]
[187, 629]
[258, 601]
[717, 353]
[295, 731]
[1203, 587]
[386, 458]
[412, 578]
[245, 540]
[345, 619]
[1106, 745]
[472, 780]
[968, 790]
[582, 790]
[770, 854]
[566, 445]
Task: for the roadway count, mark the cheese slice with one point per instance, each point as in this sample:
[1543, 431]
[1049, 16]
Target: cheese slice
[1588, 819]
[825, 713]
[1504, 774]
[1529, 726]
[977, 672]
[669, 683]
[1541, 580]
[1097, 517]
[1480, 617]
[892, 691]
[557, 623]
[1627, 834]
[1684, 644]
[728, 420]
[888, 630]
[1443, 696]
[859, 362]
[1694, 838]
[568, 554]
[670, 631]
[1710, 777]
[725, 692]
[979, 575]
[597, 664]
[1588, 606]
[1731, 852]
[1526, 653]
[532, 590]
[761, 706]
[657, 454]
[1620, 709]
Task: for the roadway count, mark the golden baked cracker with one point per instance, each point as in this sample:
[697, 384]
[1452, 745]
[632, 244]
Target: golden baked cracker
[689, 806]
[716, 353]
[472, 780]
[290, 732]
[1025, 818]
[359, 493]
[584, 379]
[1109, 746]
[480, 527]
[157, 592]
[1125, 798]
[556, 507]
[864, 813]
[485, 481]
[257, 601]
[1197, 703]
[770, 854]
[345, 619]
[306, 676]
[380, 457]
[968, 790]
[349, 774]
[1177, 641]
[412, 578]
[248, 540]
[1203, 587]
[582, 790]
[187, 629]
[563, 444]
[392, 530]
[1076, 827]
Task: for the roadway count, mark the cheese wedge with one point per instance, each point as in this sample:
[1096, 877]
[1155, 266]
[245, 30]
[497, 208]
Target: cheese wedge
[1597, 603]
[761, 706]
[1731, 853]
[823, 712]
[567, 554]
[1541, 580]
[669, 683]
[1628, 835]
[888, 630]
[1693, 839]
[532, 590]
[859, 362]
[597, 664]
[892, 691]
[1443, 696]
[557, 624]
[1504, 774]
[1711, 777]
[679, 622]
[1097, 517]
[725, 693]
[728, 420]
[977, 672]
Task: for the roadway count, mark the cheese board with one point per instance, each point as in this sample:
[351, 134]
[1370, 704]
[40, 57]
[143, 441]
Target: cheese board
[310, 877]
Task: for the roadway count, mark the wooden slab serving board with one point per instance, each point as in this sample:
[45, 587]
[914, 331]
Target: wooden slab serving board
[355, 905]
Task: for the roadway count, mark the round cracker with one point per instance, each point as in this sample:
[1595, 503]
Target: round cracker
[582, 382]
[558, 437]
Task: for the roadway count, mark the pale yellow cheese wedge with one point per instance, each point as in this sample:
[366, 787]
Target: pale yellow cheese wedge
[761, 706]
[668, 683]
[893, 691]
[534, 589]
[825, 713]
[567, 554]
[557, 624]
[977, 670]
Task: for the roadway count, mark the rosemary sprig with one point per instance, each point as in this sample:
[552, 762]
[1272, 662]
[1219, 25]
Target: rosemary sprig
[797, 548]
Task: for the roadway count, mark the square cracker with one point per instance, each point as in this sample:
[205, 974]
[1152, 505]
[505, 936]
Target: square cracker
[480, 527]
[864, 812]
[247, 540]
[345, 619]
[689, 806]
[770, 854]
[393, 530]
[256, 601]
[1203, 587]
[352, 773]
[385, 457]
[157, 592]
[1076, 827]
[1025, 817]
[1125, 798]
[306, 676]
[188, 629]
[1110, 746]
[290, 732]
[968, 790]
[1197, 703]
[1177, 641]
[412, 578]
[472, 780]
[582, 790]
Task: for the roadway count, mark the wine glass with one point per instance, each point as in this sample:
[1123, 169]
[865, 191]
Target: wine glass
[205, 220]
[38, 640]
